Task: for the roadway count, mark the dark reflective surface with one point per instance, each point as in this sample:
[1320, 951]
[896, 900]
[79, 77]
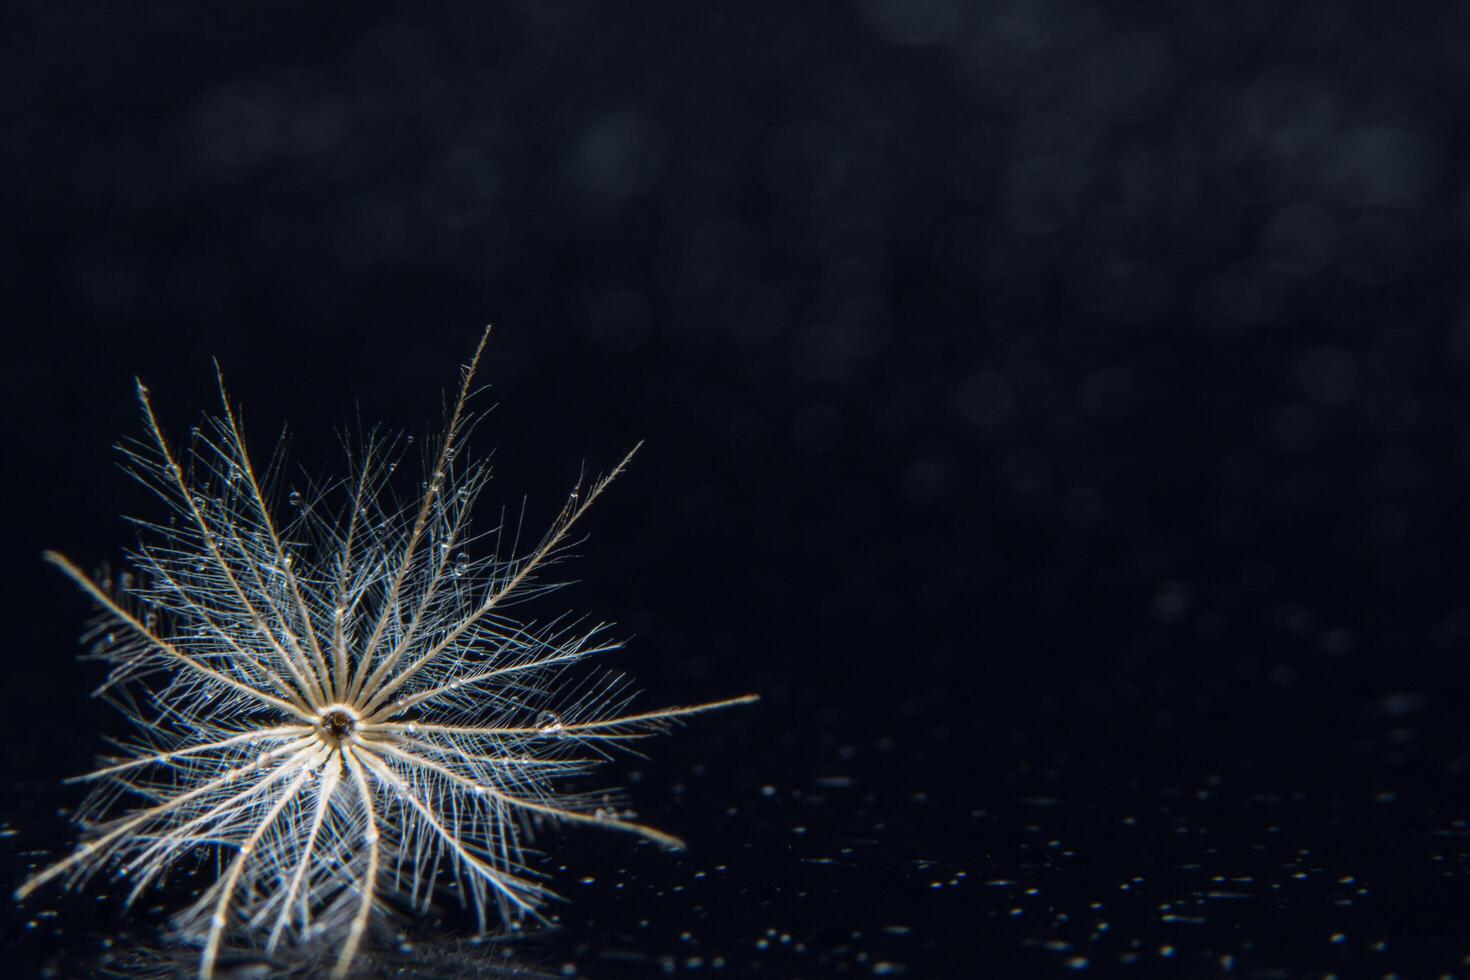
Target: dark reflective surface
[1274, 841]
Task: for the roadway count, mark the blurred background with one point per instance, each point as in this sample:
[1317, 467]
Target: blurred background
[1054, 409]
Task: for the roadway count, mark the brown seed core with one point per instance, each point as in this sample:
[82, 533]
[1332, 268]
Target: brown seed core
[337, 723]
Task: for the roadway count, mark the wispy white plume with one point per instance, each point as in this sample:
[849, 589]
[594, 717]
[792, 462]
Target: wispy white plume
[339, 698]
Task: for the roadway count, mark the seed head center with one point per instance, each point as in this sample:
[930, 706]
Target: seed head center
[336, 724]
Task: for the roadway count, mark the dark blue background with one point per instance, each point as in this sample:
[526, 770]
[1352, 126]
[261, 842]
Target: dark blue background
[1057, 411]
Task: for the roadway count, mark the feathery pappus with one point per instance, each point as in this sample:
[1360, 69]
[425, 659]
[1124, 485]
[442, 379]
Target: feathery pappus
[338, 698]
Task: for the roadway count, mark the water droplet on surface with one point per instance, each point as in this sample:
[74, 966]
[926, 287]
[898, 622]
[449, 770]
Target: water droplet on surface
[294, 498]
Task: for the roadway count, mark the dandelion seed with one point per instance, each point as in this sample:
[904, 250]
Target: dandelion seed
[344, 720]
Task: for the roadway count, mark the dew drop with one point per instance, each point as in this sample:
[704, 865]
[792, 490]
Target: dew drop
[294, 498]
